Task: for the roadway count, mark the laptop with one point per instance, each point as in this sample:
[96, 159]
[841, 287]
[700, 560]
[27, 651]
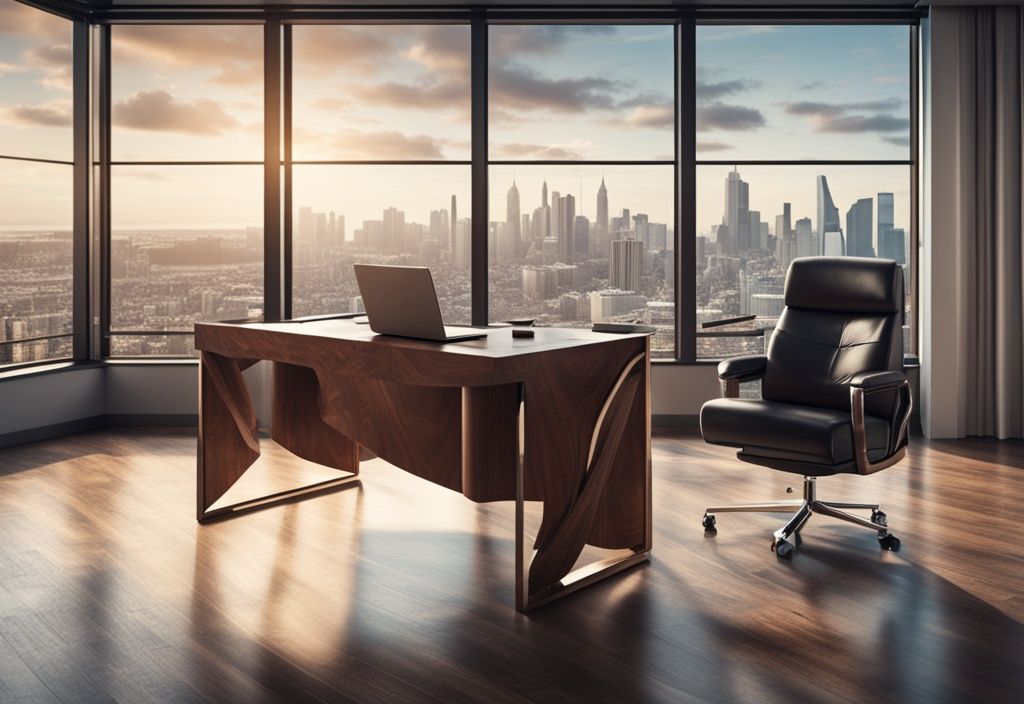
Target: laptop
[401, 301]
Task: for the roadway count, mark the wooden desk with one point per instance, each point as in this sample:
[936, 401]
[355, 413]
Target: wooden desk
[563, 418]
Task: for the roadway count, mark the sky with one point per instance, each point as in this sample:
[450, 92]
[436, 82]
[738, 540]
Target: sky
[379, 92]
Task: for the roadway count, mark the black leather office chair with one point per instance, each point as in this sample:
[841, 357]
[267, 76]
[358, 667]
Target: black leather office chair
[834, 397]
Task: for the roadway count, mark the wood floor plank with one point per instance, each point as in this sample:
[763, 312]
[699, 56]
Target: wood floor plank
[397, 590]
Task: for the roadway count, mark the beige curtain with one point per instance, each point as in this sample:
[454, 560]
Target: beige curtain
[988, 179]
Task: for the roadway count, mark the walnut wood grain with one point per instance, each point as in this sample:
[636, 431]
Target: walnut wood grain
[297, 423]
[228, 440]
[413, 427]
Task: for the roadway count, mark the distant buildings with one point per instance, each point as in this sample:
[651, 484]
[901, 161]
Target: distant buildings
[830, 232]
[859, 222]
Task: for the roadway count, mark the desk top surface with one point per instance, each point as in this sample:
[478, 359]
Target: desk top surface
[498, 341]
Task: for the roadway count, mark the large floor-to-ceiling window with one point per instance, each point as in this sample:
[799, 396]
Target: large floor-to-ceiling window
[634, 169]
[582, 155]
[380, 141]
[804, 148]
[36, 172]
[186, 182]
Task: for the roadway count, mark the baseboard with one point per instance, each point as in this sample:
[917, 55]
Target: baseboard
[56, 430]
[158, 420]
[110, 420]
[675, 420]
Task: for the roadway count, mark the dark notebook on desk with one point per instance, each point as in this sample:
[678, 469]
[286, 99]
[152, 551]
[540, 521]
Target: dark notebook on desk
[402, 301]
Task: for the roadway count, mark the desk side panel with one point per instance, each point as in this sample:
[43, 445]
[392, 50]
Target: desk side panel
[298, 424]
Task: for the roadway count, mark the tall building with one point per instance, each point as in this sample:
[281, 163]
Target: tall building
[737, 215]
[602, 207]
[566, 229]
[859, 221]
[886, 223]
[626, 265]
[581, 236]
[513, 221]
[754, 230]
[893, 245]
[556, 213]
[806, 239]
[462, 241]
[454, 221]
[830, 232]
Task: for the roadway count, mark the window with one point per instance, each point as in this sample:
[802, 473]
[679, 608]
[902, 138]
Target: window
[380, 141]
[804, 147]
[35, 185]
[186, 183]
[582, 210]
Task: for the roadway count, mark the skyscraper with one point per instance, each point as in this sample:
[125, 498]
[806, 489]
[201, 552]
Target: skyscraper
[737, 214]
[581, 236]
[806, 239]
[556, 213]
[625, 267]
[830, 232]
[886, 223]
[567, 229]
[859, 220]
[454, 223]
[602, 207]
[513, 220]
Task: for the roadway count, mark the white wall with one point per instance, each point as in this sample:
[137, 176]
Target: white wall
[36, 400]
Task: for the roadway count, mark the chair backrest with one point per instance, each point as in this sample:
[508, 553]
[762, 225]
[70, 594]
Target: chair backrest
[843, 316]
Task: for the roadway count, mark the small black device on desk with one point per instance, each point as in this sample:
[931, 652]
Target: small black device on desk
[522, 332]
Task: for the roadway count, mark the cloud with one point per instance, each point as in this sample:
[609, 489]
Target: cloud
[56, 113]
[159, 111]
[713, 91]
[712, 146]
[54, 61]
[537, 151]
[525, 89]
[658, 116]
[330, 49]
[7, 69]
[443, 49]
[233, 51]
[433, 95]
[720, 116]
[898, 141]
[811, 85]
[390, 144]
[21, 20]
[508, 42]
[811, 108]
[848, 118]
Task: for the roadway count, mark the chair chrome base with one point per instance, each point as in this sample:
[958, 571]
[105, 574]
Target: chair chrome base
[804, 509]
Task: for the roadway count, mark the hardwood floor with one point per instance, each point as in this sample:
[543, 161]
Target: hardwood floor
[397, 590]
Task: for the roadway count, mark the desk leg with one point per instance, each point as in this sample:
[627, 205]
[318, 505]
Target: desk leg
[544, 575]
[229, 442]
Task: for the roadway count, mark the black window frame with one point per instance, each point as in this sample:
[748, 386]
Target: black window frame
[92, 163]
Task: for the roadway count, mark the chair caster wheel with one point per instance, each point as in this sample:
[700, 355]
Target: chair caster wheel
[709, 523]
[783, 549]
[889, 542]
[880, 518]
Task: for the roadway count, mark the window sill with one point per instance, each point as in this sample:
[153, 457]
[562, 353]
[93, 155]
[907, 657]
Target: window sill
[42, 368]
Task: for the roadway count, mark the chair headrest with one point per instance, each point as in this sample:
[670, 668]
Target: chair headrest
[845, 284]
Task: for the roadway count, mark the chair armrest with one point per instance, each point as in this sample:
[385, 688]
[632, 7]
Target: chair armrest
[878, 381]
[871, 382]
[746, 368]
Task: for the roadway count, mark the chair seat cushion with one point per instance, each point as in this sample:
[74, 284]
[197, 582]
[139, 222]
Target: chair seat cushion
[787, 432]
